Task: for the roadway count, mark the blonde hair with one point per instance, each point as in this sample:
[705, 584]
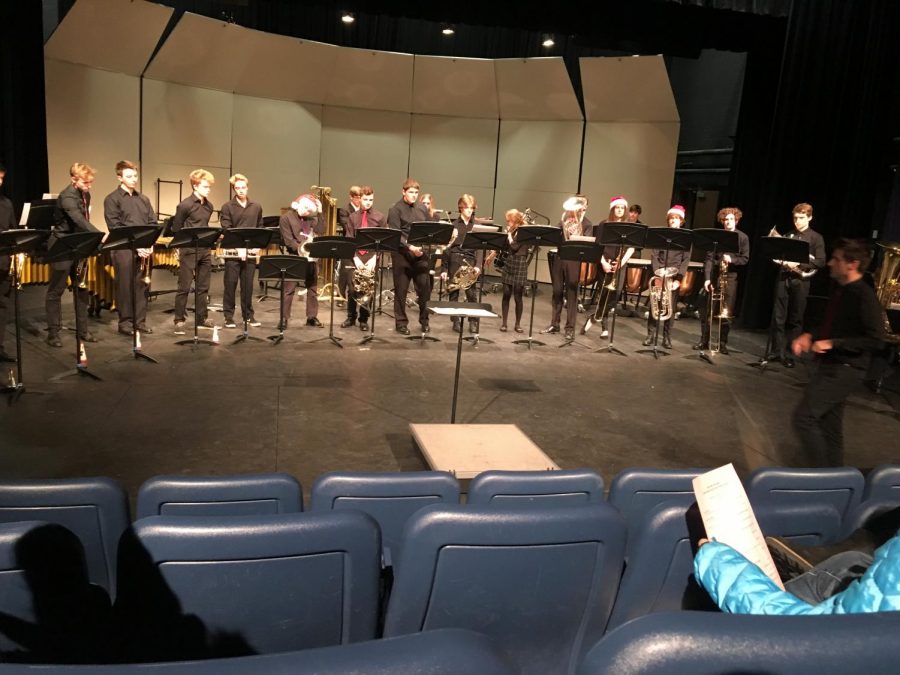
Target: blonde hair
[465, 200]
[201, 174]
[82, 171]
[235, 178]
[515, 218]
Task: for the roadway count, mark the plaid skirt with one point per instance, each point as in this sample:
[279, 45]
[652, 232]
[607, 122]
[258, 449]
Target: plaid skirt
[515, 271]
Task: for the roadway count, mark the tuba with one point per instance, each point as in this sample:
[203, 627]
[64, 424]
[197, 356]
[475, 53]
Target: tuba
[887, 285]
[661, 286]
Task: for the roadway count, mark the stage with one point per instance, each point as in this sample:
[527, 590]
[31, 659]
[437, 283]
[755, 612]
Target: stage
[307, 408]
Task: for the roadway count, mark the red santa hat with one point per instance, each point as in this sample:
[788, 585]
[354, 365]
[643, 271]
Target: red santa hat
[676, 210]
[618, 201]
[306, 205]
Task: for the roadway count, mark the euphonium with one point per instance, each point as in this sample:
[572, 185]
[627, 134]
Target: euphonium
[887, 285]
[661, 286]
[464, 277]
[363, 281]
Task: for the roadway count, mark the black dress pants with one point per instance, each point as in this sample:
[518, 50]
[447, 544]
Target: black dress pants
[59, 276]
[312, 292]
[406, 268]
[6, 301]
[242, 271]
[790, 305]
[127, 267]
[730, 301]
[564, 276]
[188, 264]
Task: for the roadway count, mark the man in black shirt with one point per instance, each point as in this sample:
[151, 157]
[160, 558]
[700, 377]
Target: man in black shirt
[123, 207]
[240, 212]
[7, 222]
[72, 213]
[853, 327]
[195, 211]
[410, 262]
[793, 285]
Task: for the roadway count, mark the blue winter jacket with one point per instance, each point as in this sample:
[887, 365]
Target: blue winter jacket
[740, 587]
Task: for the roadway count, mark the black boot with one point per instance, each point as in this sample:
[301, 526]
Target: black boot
[667, 338]
[648, 341]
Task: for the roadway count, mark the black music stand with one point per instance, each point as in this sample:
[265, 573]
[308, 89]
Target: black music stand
[131, 238]
[14, 242]
[73, 247]
[482, 241]
[715, 241]
[581, 252]
[381, 239]
[195, 238]
[536, 235]
[623, 235]
[459, 310]
[666, 239]
[282, 267]
[778, 250]
[246, 237]
[428, 234]
[275, 240]
[335, 248]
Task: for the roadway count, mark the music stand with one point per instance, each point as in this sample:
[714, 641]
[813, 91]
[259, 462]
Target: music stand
[715, 241]
[276, 240]
[14, 242]
[460, 310]
[536, 235]
[783, 249]
[482, 241]
[246, 237]
[581, 252]
[428, 234]
[381, 239]
[195, 238]
[282, 267]
[666, 239]
[70, 248]
[132, 238]
[335, 248]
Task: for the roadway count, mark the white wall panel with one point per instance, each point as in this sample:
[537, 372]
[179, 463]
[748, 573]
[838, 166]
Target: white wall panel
[272, 63]
[457, 87]
[535, 89]
[372, 80]
[542, 156]
[92, 117]
[277, 146]
[644, 78]
[365, 147]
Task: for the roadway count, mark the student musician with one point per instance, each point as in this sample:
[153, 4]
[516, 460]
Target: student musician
[195, 211]
[410, 263]
[672, 266]
[460, 257]
[240, 212]
[72, 214]
[619, 212]
[365, 259]
[634, 213]
[427, 200]
[343, 216]
[124, 207]
[713, 267]
[565, 274]
[298, 228]
[515, 269]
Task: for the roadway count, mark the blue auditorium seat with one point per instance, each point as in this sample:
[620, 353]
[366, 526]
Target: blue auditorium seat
[659, 576]
[95, 509]
[840, 487]
[390, 498]
[207, 586]
[701, 643]
[249, 495]
[540, 582]
[880, 495]
[530, 489]
[438, 652]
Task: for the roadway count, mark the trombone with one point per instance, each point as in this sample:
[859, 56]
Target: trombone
[718, 309]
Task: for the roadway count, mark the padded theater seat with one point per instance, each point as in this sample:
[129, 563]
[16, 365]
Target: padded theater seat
[536, 489]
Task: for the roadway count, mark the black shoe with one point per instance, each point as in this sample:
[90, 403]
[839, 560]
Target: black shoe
[788, 363]
[314, 322]
[88, 337]
[648, 341]
[426, 328]
[348, 323]
[126, 331]
[6, 358]
[570, 334]
[667, 342]
[206, 323]
[363, 326]
[503, 328]
[403, 330]
[457, 326]
[723, 349]
[146, 330]
[550, 329]
[700, 347]
[473, 328]
[53, 340]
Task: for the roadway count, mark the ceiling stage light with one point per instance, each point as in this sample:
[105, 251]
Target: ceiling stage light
[348, 18]
[548, 41]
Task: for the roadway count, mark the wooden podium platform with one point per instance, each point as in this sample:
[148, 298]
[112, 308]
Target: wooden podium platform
[468, 449]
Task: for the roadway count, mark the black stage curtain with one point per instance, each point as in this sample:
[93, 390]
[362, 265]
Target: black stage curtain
[23, 120]
[815, 126]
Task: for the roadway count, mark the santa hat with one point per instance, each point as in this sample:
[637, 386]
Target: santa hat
[306, 205]
[677, 210]
[618, 201]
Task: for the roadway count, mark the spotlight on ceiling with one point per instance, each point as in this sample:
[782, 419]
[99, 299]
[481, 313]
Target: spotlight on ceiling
[548, 41]
[348, 18]
[448, 29]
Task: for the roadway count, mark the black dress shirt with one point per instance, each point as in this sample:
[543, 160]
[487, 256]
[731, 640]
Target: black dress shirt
[660, 258]
[122, 208]
[854, 321]
[374, 218]
[401, 214]
[232, 214]
[73, 208]
[295, 230]
[738, 259]
[7, 222]
[191, 212]
[816, 248]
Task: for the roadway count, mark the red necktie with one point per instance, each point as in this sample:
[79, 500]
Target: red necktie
[365, 223]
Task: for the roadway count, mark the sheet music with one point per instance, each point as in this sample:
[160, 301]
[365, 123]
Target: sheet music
[26, 209]
[581, 237]
[729, 519]
[485, 227]
[459, 311]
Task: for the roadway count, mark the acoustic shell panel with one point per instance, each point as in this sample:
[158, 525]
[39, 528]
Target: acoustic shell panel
[109, 34]
[92, 117]
[627, 89]
[455, 87]
[365, 147]
[535, 89]
[276, 144]
[540, 156]
[373, 80]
